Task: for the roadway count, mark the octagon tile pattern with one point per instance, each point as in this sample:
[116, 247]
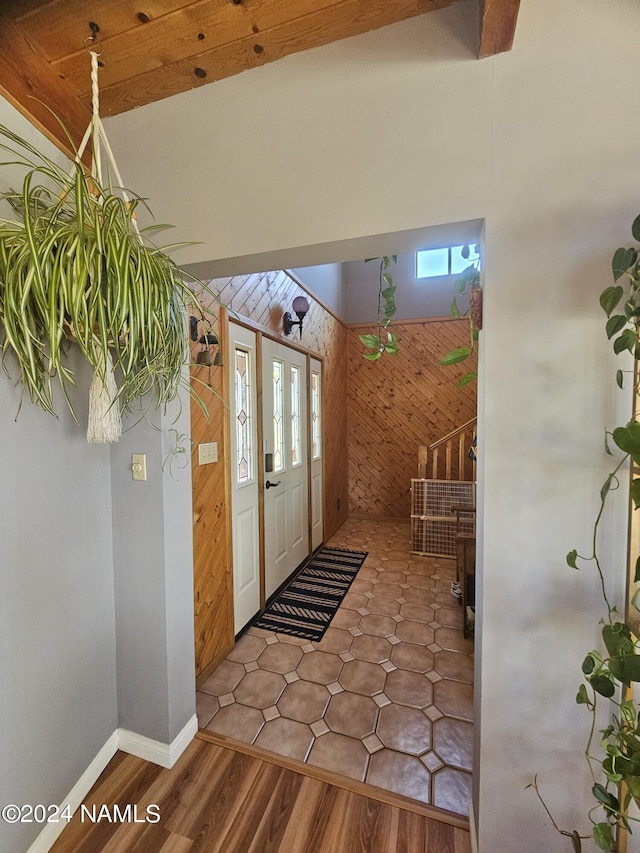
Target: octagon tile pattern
[385, 697]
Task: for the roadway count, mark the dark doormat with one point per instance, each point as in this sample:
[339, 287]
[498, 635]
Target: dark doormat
[308, 603]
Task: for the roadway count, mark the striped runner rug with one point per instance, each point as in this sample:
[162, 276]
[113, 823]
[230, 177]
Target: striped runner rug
[306, 606]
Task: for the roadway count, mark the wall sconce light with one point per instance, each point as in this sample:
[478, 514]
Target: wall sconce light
[207, 340]
[301, 307]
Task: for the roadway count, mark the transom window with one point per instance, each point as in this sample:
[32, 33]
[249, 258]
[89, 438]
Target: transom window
[449, 260]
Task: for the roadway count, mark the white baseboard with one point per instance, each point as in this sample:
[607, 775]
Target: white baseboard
[472, 830]
[164, 754]
[51, 831]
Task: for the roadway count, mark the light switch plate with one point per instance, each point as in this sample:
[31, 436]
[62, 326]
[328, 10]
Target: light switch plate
[139, 466]
[207, 453]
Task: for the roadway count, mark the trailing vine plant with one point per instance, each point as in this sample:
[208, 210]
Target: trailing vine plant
[467, 284]
[609, 673]
[384, 340]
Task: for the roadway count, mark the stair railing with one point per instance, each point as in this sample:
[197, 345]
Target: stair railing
[436, 461]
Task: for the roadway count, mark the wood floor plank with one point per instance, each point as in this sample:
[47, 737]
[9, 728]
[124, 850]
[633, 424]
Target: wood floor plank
[306, 832]
[209, 810]
[218, 800]
[279, 805]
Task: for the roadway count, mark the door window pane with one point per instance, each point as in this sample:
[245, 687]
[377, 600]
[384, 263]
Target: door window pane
[295, 417]
[244, 415]
[278, 416]
[316, 443]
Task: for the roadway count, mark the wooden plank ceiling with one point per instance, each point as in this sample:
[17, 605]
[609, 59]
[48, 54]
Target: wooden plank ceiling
[151, 49]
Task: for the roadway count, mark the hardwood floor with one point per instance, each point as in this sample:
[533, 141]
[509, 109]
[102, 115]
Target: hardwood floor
[218, 799]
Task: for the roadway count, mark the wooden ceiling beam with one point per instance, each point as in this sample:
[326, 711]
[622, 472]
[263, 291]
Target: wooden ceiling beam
[31, 85]
[196, 32]
[498, 20]
[321, 26]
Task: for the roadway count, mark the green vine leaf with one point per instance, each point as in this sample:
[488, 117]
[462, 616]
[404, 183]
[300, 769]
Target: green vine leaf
[617, 639]
[610, 297]
[629, 711]
[371, 341]
[572, 556]
[468, 377]
[631, 668]
[615, 324]
[635, 228]
[627, 340]
[619, 378]
[604, 491]
[609, 800]
[582, 697]
[622, 260]
[603, 685]
[634, 490]
[627, 438]
[455, 356]
[603, 836]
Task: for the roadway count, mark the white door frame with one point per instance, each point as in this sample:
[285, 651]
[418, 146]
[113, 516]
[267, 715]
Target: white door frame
[250, 586]
[244, 475]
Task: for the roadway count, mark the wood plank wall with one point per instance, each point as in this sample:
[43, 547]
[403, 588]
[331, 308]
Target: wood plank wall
[261, 298]
[397, 404]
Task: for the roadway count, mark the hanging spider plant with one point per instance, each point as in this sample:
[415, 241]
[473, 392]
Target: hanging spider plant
[75, 265]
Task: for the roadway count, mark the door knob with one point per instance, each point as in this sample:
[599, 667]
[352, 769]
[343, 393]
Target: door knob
[270, 485]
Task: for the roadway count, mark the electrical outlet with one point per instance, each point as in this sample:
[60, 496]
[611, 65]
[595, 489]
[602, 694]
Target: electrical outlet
[207, 453]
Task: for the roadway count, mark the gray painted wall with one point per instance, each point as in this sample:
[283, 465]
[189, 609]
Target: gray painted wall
[153, 560]
[86, 648]
[415, 298]
[58, 703]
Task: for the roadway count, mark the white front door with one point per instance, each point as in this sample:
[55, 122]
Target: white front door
[245, 459]
[286, 493]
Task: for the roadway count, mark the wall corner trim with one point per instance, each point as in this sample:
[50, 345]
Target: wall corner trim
[164, 754]
[473, 833]
[51, 831]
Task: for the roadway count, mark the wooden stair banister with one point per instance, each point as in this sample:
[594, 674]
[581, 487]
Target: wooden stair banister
[429, 456]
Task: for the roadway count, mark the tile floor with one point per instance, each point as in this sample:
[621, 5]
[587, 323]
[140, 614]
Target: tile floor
[386, 697]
